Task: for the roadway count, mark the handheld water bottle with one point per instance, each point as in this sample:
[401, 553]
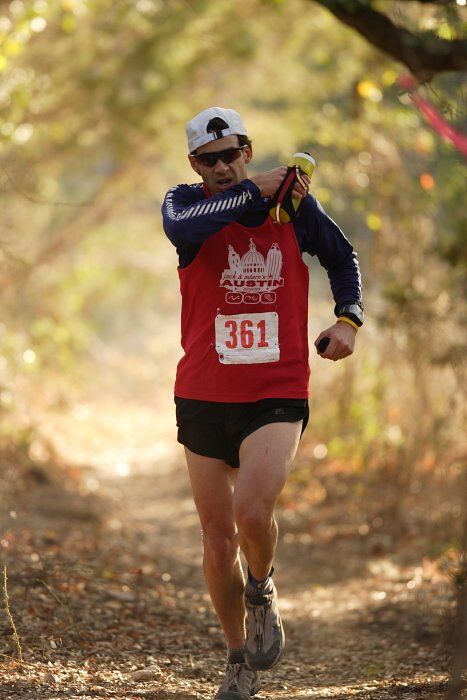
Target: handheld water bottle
[284, 205]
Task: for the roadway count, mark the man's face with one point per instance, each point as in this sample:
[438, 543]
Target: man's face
[220, 176]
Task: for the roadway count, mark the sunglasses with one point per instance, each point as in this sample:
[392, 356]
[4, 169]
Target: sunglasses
[227, 156]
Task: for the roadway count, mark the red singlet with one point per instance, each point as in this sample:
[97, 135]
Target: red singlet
[245, 317]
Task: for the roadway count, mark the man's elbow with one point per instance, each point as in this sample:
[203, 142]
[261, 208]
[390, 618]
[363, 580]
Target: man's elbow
[347, 262]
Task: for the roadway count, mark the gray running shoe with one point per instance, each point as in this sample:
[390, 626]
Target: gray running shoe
[265, 633]
[240, 683]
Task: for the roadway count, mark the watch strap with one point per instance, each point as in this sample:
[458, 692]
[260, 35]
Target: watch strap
[349, 321]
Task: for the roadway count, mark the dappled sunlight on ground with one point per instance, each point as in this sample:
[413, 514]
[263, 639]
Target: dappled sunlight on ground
[104, 560]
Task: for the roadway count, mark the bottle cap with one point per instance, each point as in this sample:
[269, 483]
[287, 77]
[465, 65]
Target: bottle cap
[305, 162]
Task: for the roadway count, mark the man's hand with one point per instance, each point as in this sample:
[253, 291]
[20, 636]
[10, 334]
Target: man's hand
[269, 181]
[341, 341]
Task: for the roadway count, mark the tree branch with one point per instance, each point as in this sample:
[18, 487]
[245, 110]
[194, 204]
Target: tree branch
[425, 55]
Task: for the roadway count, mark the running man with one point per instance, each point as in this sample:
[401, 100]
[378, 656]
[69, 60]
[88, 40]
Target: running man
[241, 388]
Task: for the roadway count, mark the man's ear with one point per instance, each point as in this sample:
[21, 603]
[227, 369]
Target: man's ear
[248, 154]
[194, 164]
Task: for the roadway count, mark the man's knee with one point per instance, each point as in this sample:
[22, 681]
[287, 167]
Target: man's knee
[220, 546]
[253, 519]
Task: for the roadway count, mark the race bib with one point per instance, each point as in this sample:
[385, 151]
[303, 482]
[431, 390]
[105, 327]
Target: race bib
[246, 339]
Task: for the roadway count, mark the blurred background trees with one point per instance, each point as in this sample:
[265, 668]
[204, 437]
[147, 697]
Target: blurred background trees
[94, 96]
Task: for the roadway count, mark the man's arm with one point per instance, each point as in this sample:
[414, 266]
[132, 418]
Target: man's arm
[323, 237]
[189, 217]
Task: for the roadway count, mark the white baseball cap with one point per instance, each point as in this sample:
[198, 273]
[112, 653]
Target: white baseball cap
[197, 129]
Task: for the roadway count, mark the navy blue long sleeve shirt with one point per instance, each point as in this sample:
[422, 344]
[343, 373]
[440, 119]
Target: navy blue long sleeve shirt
[189, 218]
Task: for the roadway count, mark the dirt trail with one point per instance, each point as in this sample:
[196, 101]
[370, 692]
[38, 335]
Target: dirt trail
[107, 594]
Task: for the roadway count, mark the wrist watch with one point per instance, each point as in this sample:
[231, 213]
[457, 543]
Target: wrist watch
[351, 310]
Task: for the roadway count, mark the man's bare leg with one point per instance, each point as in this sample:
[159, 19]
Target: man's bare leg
[266, 458]
[212, 493]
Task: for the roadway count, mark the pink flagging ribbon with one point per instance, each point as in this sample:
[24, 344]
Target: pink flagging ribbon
[433, 117]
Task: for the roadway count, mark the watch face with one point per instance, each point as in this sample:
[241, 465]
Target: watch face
[353, 311]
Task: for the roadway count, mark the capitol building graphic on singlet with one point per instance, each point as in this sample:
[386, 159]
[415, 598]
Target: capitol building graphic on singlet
[251, 279]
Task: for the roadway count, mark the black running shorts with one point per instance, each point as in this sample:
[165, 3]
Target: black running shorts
[215, 429]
